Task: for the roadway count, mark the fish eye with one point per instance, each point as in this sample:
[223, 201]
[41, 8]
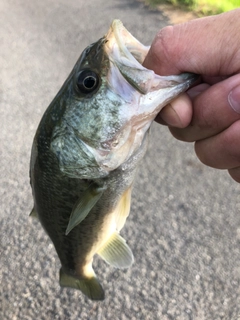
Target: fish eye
[87, 81]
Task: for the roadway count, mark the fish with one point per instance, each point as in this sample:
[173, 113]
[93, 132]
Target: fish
[87, 149]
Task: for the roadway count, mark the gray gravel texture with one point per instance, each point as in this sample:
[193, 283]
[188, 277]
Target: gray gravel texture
[184, 226]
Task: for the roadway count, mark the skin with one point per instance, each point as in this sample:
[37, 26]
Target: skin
[209, 113]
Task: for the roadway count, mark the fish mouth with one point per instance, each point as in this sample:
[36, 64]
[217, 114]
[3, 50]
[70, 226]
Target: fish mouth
[128, 54]
[142, 92]
[129, 47]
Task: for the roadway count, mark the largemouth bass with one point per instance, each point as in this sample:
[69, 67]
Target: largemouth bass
[87, 148]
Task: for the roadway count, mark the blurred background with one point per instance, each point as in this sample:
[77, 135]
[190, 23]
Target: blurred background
[184, 225]
[199, 7]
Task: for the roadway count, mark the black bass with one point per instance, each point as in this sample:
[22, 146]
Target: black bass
[86, 151]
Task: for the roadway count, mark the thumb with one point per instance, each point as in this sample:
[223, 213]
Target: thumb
[207, 46]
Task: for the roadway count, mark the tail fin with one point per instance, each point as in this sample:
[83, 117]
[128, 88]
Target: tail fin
[89, 286]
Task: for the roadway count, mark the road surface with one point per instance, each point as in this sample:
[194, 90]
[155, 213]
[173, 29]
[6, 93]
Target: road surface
[184, 226]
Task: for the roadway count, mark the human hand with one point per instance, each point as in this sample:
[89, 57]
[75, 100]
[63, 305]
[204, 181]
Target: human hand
[209, 113]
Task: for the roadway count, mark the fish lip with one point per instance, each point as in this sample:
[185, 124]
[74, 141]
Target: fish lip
[129, 46]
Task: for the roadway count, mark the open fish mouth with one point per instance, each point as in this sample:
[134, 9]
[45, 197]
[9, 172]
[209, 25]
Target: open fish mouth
[126, 52]
[128, 46]
[142, 92]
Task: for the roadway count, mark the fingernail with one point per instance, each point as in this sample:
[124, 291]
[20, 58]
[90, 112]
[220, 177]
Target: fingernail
[234, 99]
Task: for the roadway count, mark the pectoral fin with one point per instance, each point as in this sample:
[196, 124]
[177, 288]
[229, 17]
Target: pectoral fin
[89, 286]
[116, 252]
[84, 205]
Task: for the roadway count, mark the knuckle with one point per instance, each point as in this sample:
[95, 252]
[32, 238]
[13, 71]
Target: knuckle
[201, 154]
[162, 48]
[182, 134]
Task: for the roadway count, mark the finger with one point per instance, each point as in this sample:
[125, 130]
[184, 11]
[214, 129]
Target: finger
[178, 113]
[235, 174]
[213, 110]
[213, 80]
[200, 46]
[195, 91]
[221, 151]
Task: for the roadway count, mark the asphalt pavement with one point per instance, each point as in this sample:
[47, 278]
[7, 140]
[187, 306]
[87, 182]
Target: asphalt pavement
[184, 225]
